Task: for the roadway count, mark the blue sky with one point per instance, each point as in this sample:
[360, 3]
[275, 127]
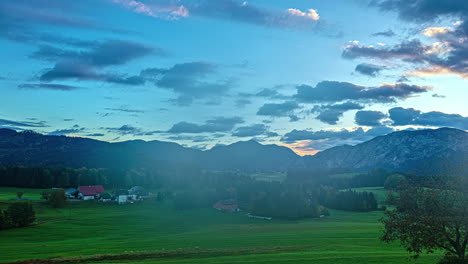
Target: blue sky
[306, 74]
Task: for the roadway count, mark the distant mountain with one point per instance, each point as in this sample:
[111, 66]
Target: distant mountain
[437, 151]
[442, 150]
[249, 155]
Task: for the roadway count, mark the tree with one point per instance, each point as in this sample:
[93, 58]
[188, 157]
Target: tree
[57, 198]
[430, 219]
[394, 181]
[20, 214]
[19, 194]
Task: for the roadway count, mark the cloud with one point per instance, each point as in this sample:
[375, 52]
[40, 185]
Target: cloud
[95, 135]
[309, 14]
[278, 110]
[410, 116]
[266, 93]
[332, 91]
[423, 10]
[252, 131]
[324, 139]
[231, 10]
[168, 11]
[48, 86]
[84, 64]
[69, 131]
[219, 124]
[408, 50]
[129, 130]
[242, 102]
[438, 96]
[5, 122]
[389, 33]
[125, 110]
[369, 69]
[331, 113]
[20, 18]
[369, 118]
[189, 80]
[446, 55]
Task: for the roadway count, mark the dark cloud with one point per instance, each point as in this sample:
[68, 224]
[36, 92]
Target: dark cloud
[331, 113]
[447, 55]
[125, 110]
[388, 33]
[438, 96]
[5, 122]
[95, 135]
[278, 110]
[409, 116]
[242, 102]
[265, 93]
[85, 64]
[332, 91]
[408, 50]
[252, 131]
[369, 69]
[48, 86]
[231, 10]
[325, 139]
[219, 124]
[129, 130]
[369, 118]
[189, 80]
[71, 131]
[424, 10]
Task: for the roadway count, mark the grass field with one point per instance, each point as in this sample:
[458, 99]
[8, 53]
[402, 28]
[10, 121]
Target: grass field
[200, 236]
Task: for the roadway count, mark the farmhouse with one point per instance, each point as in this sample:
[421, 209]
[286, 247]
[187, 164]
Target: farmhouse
[90, 192]
[228, 206]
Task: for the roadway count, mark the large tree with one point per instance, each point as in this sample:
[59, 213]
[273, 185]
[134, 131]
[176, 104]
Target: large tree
[430, 219]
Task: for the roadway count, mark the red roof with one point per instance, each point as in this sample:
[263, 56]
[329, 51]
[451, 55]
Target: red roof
[91, 190]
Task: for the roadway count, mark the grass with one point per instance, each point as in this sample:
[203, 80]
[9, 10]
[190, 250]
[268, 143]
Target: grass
[148, 232]
[10, 193]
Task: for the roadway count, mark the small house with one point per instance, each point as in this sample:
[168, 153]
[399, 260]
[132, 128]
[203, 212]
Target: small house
[122, 199]
[228, 206]
[71, 193]
[90, 192]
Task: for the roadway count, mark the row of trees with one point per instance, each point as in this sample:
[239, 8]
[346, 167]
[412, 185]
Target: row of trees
[17, 214]
[348, 200]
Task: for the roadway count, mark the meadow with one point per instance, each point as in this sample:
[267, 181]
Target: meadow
[154, 232]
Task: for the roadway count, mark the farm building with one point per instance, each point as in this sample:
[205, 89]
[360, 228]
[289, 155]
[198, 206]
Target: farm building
[71, 193]
[228, 206]
[90, 192]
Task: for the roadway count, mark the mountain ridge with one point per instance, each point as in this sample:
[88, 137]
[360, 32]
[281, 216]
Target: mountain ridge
[401, 150]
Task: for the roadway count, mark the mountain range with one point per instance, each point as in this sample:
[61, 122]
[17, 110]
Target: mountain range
[443, 150]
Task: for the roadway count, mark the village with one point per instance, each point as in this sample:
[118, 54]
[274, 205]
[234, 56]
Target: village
[138, 193]
[97, 192]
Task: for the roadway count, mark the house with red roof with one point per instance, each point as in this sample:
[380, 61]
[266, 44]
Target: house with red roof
[90, 192]
[229, 206]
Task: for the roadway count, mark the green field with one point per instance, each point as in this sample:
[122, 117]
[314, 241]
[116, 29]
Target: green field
[200, 236]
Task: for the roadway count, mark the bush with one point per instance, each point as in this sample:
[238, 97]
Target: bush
[452, 260]
[19, 214]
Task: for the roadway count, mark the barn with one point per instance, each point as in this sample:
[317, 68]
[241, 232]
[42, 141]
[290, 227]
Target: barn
[90, 192]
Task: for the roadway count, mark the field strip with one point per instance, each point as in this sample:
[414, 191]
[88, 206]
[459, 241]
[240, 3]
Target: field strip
[180, 253]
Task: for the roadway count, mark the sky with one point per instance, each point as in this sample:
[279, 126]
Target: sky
[306, 74]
